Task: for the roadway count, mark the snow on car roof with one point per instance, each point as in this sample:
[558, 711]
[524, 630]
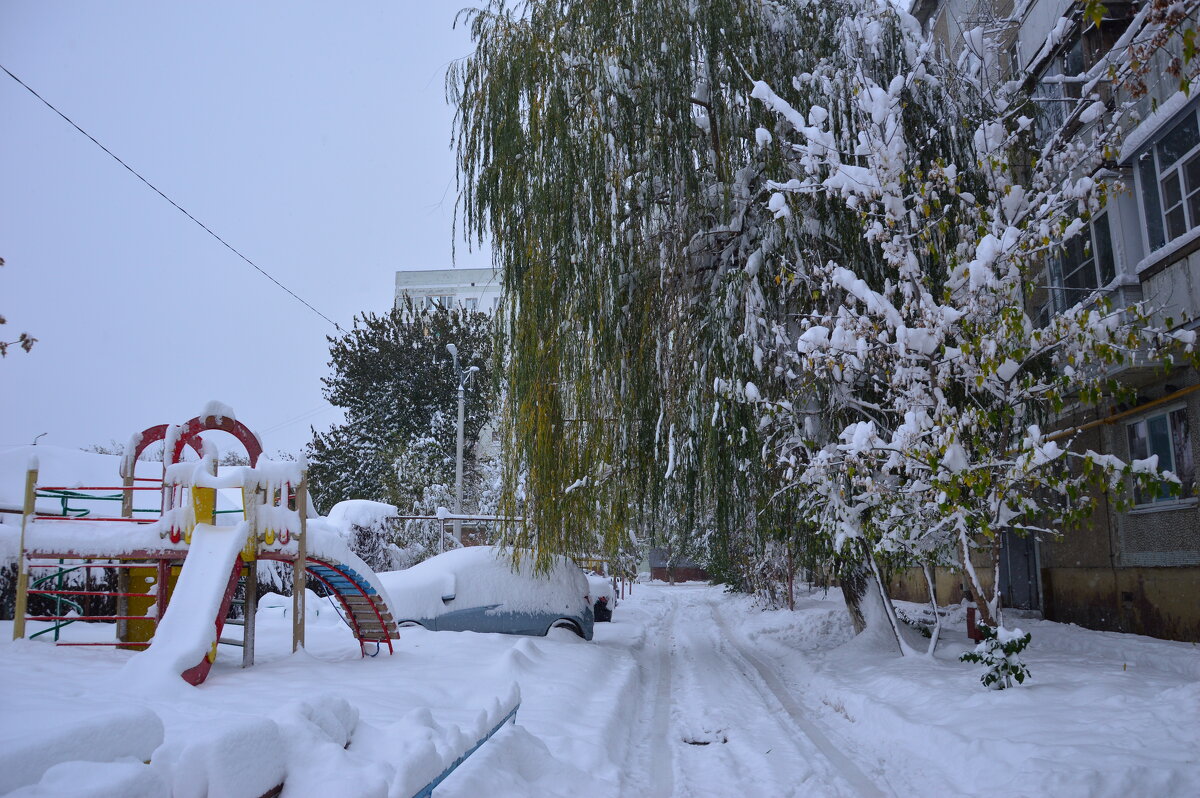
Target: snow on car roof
[481, 576]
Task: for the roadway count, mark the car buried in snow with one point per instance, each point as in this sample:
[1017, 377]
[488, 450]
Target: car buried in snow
[604, 596]
[477, 589]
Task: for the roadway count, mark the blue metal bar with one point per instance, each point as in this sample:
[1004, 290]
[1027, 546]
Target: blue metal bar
[427, 790]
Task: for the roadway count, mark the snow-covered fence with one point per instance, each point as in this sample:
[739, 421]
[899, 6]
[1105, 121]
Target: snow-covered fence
[513, 703]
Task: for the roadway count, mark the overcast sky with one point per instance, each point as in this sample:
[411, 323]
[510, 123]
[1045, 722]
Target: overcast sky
[313, 137]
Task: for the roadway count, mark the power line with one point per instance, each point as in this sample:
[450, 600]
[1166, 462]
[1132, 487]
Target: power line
[177, 206]
[297, 419]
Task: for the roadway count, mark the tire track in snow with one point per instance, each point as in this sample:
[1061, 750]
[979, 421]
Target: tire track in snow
[657, 760]
[768, 678]
[664, 758]
[742, 739]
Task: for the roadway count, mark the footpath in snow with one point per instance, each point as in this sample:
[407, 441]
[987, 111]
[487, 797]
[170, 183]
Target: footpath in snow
[689, 692]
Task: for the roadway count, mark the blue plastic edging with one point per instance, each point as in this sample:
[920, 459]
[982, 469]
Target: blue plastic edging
[427, 790]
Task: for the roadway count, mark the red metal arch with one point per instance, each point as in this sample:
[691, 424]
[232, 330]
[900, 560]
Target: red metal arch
[148, 437]
[192, 429]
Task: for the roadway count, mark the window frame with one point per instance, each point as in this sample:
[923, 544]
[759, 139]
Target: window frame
[1062, 296]
[1157, 500]
[1188, 203]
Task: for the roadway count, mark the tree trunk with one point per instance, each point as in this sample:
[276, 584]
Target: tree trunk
[937, 619]
[854, 581]
[987, 607]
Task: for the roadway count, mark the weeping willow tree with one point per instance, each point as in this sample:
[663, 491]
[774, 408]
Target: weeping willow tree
[615, 156]
[607, 150]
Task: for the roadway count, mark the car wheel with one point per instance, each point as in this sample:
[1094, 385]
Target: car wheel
[563, 623]
[409, 625]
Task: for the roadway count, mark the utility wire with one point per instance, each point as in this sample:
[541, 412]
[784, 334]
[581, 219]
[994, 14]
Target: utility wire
[178, 207]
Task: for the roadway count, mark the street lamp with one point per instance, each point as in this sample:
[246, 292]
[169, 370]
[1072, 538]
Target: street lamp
[463, 376]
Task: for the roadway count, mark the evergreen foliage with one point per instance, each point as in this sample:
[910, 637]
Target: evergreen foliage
[395, 382]
[1000, 654]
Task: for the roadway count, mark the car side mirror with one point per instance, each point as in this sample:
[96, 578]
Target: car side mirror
[446, 599]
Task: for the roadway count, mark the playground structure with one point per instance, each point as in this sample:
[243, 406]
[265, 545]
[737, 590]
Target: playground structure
[179, 572]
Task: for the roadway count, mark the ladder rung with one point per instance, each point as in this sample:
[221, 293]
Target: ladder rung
[234, 622]
[225, 641]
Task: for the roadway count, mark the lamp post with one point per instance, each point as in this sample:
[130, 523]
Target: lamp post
[463, 376]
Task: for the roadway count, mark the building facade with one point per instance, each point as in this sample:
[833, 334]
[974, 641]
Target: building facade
[1136, 570]
[472, 289]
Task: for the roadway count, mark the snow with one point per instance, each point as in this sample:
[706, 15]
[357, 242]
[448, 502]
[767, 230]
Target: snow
[1152, 125]
[1007, 369]
[1092, 112]
[133, 732]
[82, 779]
[360, 512]
[689, 691]
[601, 586]
[62, 467]
[482, 576]
[244, 756]
[186, 631]
[218, 409]
[72, 468]
[853, 180]
[1165, 252]
[778, 205]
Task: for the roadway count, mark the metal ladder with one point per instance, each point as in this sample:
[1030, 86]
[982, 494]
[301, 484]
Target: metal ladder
[248, 588]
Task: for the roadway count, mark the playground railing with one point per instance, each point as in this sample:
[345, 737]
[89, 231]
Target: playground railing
[61, 591]
[68, 494]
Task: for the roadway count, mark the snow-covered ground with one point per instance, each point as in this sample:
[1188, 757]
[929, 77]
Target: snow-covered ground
[689, 692]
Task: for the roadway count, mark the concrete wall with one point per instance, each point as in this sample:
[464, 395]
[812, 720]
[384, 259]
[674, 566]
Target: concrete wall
[1160, 602]
[1174, 290]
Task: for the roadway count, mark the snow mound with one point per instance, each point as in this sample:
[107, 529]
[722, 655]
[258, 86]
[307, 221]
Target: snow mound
[30, 749]
[243, 757]
[96, 780]
[360, 512]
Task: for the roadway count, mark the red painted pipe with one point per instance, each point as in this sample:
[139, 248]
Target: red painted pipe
[85, 593]
[93, 518]
[119, 487]
[91, 565]
[88, 618]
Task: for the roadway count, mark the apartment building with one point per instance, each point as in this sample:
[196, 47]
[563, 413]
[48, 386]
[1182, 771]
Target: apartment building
[473, 289]
[1136, 570]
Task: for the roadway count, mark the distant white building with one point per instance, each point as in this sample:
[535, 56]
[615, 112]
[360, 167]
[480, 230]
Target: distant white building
[473, 289]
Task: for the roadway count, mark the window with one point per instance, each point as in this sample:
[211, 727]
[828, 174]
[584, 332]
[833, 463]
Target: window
[1168, 436]
[471, 304]
[1084, 264]
[1055, 93]
[1169, 183]
[439, 301]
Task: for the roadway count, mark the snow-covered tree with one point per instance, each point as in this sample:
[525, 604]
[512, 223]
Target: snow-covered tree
[392, 376]
[770, 266]
[607, 149]
[917, 384]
